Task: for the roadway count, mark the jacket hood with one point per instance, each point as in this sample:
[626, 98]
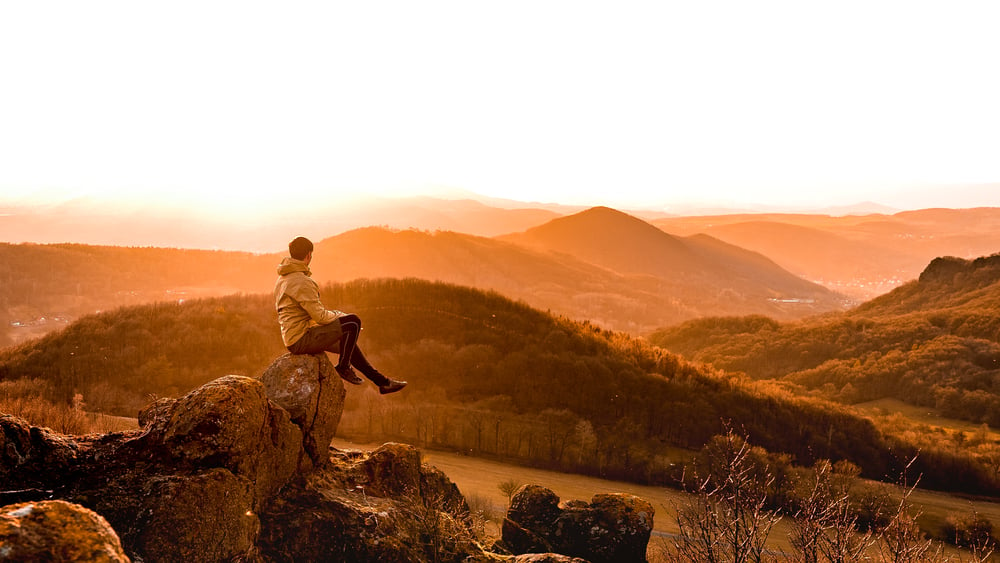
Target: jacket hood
[290, 265]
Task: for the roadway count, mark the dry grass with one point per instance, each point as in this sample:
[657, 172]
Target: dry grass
[481, 479]
[921, 416]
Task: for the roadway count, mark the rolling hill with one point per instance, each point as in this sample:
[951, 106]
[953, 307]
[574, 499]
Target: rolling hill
[487, 375]
[859, 255]
[933, 342]
[693, 277]
[626, 244]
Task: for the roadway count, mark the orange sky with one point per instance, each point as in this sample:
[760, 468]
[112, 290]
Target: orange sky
[234, 105]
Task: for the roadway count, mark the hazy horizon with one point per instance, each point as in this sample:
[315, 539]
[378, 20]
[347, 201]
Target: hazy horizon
[239, 109]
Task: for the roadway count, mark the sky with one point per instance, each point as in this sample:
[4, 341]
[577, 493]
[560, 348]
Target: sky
[255, 106]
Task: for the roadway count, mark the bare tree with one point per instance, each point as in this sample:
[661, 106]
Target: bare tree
[825, 522]
[902, 541]
[727, 519]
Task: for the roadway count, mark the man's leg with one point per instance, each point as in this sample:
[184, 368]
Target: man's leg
[326, 338]
[350, 325]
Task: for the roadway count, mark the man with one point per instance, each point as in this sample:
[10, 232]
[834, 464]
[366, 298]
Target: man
[307, 327]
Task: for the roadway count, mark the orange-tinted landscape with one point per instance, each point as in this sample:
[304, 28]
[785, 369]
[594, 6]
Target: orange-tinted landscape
[592, 341]
[666, 281]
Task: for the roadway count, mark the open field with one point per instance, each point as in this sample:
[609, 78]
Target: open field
[921, 415]
[479, 478]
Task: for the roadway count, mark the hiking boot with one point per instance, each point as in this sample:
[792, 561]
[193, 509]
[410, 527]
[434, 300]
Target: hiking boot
[347, 374]
[391, 387]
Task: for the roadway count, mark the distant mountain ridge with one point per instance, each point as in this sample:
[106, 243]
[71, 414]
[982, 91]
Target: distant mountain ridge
[85, 221]
[626, 244]
[623, 273]
[860, 255]
[600, 264]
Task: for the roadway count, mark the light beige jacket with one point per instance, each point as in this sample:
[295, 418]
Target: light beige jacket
[296, 297]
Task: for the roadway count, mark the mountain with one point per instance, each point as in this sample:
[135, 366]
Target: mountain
[862, 256]
[561, 284]
[933, 342]
[720, 273]
[636, 278]
[487, 375]
[44, 286]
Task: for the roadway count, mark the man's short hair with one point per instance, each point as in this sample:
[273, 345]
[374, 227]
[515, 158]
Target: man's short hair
[299, 248]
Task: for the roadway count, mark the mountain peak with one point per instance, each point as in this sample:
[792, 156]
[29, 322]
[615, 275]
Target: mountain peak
[598, 227]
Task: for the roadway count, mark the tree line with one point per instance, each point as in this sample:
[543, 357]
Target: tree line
[488, 375]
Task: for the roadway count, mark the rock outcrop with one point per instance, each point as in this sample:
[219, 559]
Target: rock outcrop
[57, 531]
[240, 469]
[612, 528]
[192, 483]
[315, 404]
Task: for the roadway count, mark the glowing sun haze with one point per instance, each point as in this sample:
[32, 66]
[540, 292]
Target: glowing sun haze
[244, 105]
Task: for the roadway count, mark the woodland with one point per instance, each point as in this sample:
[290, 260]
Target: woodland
[494, 374]
[933, 342]
[488, 376]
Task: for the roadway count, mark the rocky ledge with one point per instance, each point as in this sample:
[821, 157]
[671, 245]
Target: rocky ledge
[240, 469]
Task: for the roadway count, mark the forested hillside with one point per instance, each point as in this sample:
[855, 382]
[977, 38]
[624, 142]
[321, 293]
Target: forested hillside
[933, 342]
[487, 375]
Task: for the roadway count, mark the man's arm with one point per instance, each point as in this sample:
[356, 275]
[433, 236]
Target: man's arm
[319, 313]
[307, 296]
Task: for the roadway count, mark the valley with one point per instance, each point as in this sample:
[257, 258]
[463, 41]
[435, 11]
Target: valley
[657, 342]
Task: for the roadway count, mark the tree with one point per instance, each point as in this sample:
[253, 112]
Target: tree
[825, 523]
[901, 540]
[726, 520]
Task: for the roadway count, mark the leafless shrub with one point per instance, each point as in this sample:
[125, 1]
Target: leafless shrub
[726, 519]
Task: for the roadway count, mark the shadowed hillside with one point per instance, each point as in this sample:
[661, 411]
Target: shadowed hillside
[487, 375]
[934, 342]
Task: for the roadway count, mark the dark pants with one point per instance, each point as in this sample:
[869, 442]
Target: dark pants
[342, 340]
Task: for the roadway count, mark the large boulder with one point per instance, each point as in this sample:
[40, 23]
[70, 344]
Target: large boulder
[192, 482]
[227, 423]
[310, 390]
[56, 531]
[31, 457]
[383, 505]
[611, 528]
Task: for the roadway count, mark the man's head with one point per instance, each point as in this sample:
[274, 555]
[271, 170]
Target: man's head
[300, 248]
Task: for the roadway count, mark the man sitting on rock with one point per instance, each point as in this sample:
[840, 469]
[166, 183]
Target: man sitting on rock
[307, 327]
